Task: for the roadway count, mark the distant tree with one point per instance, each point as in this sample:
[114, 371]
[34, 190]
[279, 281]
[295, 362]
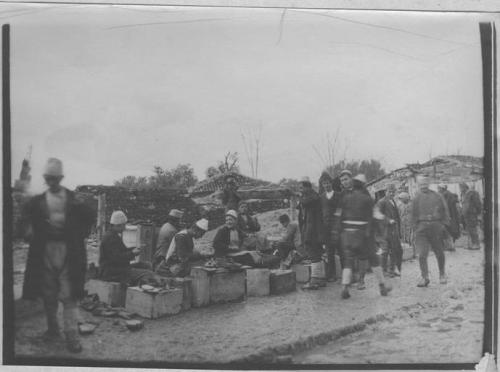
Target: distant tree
[372, 168]
[290, 184]
[181, 176]
[229, 164]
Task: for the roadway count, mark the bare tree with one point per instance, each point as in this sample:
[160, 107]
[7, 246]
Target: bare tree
[253, 146]
[332, 150]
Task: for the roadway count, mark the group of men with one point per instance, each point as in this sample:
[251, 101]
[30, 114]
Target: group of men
[342, 220]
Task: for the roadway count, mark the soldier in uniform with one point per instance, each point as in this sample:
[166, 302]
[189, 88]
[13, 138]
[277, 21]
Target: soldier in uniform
[429, 216]
[471, 210]
[354, 222]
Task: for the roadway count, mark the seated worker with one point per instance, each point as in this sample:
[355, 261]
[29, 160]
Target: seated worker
[228, 242]
[249, 226]
[289, 243]
[181, 251]
[167, 232]
[115, 257]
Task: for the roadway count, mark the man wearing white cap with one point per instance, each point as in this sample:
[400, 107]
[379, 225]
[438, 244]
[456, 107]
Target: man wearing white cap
[181, 251]
[57, 224]
[429, 216]
[166, 234]
[115, 257]
[228, 243]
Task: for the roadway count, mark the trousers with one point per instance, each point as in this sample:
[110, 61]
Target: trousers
[428, 235]
[356, 243]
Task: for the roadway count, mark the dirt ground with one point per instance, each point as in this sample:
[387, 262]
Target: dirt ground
[441, 323]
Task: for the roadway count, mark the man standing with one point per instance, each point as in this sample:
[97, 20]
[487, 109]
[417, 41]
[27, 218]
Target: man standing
[452, 232]
[166, 234]
[181, 251]
[353, 223]
[311, 230]
[230, 197]
[390, 230]
[57, 225]
[472, 209]
[429, 216]
[329, 202]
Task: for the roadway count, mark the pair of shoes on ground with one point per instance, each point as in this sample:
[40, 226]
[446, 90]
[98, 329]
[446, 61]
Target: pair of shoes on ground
[384, 290]
[424, 282]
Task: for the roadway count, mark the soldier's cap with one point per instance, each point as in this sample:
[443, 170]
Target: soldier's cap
[176, 213]
[361, 178]
[242, 202]
[346, 172]
[404, 196]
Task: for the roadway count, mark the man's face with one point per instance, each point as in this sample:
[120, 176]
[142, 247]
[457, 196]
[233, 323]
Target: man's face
[391, 193]
[230, 222]
[327, 185]
[53, 181]
[346, 181]
[284, 223]
[243, 208]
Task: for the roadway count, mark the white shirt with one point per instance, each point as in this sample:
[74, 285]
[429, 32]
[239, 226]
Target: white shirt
[329, 194]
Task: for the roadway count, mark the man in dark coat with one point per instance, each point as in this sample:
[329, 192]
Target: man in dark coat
[429, 218]
[471, 209]
[230, 197]
[329, 202]
[452, 232]
[311, 231]
[390, 231]
[115, 257]
[57, 224]
[353, 224]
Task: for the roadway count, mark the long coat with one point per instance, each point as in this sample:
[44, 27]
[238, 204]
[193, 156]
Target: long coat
[311, 218]
[451, 201]
[79, 220]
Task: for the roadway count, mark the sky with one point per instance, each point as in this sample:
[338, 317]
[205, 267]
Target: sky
[116, 90]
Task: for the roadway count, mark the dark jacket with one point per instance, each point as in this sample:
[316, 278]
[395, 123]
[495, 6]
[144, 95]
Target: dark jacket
[391, 212]
[248, 225]
[429, 206]
[222, 240]
[79, 221]
[114, 257]
[451, 202]
[471, 205]
[328, 208]
[230, 199]
[311, 218]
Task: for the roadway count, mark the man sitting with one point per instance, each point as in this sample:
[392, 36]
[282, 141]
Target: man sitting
[115, 257]
[289, 243]
[166, 234]
[250, 227]
[181, 251]
[228, 243]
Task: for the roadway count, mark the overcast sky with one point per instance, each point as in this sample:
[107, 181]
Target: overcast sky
[115, 90]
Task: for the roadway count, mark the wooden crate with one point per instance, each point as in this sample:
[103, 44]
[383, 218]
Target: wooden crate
[154, 305]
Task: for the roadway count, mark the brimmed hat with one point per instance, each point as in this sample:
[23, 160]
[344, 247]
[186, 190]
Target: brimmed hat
[118, 218]
[53, 167]
[176, 213]
[202, 224]
[232, 213]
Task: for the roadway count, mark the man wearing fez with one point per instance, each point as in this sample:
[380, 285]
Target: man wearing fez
[392, 252]
[166, 234]
[311, 231]
[181, 251]
[353, 225]
[230, 197]
[329, 201]
[57, 224]
[228, 243]
[429, 216]
[453, 230]
[471, 209]
[115, 257]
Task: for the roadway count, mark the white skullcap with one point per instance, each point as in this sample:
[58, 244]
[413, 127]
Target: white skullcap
[118, 218]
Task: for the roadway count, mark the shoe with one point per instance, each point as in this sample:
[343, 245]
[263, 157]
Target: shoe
[345, 294]
[423, 282]
[72, 342]
[311, 286]
[384, 289]
[361, 285]
[443, 279]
